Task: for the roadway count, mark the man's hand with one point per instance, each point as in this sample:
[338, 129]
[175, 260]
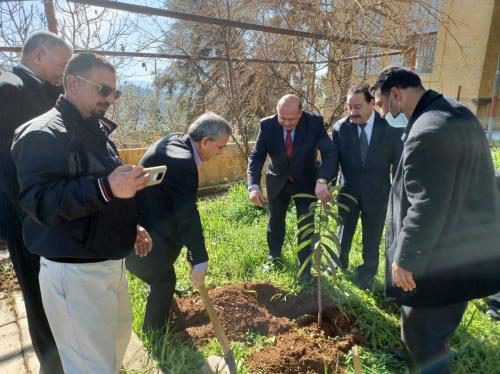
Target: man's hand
[322, 191]
[403, 278]
[143, 242]
[257, 197]
[126, 180]
[198, 277]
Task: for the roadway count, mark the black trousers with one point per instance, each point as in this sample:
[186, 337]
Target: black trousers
[27, 266]
[426, 333]
[161, 293]
[276, 225]
[372, 221]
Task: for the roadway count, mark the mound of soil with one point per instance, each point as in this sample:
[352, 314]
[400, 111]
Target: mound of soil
[300, 345]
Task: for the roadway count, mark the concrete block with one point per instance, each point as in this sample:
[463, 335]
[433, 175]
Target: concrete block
[19, 303]
[6, 313]
[29, 353]
[11, 361]
[136, 357]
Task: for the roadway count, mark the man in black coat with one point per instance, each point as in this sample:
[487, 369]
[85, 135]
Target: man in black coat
[291, 138]
[81, 217]
[25, 93]
[169, 213]
[368, 149]
[442, 221]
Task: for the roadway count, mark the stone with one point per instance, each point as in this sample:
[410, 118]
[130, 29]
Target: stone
[214, 364]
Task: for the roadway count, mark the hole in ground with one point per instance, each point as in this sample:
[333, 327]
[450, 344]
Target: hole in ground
[252, 309]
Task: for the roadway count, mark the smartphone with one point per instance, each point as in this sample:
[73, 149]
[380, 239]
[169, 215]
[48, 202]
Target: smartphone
[156, 174]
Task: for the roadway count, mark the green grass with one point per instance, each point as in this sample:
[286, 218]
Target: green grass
[235, 234]
[495, 152]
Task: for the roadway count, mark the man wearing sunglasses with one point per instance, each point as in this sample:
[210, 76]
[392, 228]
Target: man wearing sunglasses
[81, 217]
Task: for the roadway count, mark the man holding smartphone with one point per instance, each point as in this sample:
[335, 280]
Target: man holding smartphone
[169, 213]
[81, 218]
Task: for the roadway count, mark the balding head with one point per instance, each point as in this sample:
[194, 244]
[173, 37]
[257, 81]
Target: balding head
[289, 110]
[289, 100]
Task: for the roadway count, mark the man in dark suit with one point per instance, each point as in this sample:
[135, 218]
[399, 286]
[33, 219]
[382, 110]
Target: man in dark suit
[26, 93]
[291, 138]
[442, 221]
[168, 212]
[368, 149]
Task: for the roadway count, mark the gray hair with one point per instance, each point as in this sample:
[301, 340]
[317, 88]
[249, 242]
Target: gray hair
[209, 125]
[44, 40]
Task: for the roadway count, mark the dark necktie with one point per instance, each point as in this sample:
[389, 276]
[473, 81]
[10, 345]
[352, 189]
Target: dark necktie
[289, 144]
[363, 143]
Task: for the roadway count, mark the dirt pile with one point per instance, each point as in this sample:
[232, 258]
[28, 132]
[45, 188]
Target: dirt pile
[300, 345]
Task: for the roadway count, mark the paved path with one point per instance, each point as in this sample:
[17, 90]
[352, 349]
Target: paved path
[16, 352]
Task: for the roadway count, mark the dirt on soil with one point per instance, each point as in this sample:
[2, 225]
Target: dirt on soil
[250, 309]
[8, 280]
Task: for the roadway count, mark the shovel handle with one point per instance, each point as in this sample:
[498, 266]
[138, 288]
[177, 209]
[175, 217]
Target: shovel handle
[219, 332]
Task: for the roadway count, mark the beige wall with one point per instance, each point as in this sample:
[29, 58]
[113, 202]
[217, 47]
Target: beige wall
[466, 55]
[462, 64]
[228, 167]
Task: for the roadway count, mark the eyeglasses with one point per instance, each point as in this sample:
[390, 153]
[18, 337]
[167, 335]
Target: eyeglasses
[104, 90]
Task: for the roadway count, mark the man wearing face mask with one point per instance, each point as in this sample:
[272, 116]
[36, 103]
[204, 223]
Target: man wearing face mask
[29, 90]
[81, 217]
[368, 150]
[442, 221]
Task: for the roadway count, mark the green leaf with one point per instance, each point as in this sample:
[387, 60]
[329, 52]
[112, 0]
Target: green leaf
[303, 266]
[343, 206]
[308, 232]
[304, 216]
[302, 245]
[334, 239]
[349, 196]
[331, 253]
[304, 195]
[302, 228]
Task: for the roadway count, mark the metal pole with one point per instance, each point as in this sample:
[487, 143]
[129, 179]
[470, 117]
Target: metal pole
[494, 97]
[132, 8]
[51, 15]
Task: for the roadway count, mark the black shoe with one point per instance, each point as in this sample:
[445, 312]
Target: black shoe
[275, 263]
[363, 283]
[399, 354]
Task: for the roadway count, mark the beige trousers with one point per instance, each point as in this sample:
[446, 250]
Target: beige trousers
[88, 309]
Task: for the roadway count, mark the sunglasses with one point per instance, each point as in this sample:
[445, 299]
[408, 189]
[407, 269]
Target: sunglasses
[104, 90]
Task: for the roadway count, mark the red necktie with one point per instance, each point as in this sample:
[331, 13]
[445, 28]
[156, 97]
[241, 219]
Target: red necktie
[289, 144]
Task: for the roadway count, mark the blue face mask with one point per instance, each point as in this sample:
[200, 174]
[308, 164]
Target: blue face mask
[399, 121]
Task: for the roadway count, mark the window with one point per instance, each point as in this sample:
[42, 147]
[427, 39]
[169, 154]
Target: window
[368, 66]
[373, 24]
[425, 51]
[426, 26]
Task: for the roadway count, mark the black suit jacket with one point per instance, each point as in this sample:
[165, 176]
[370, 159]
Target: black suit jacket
[369, 183]
[168, 210]
[310, 135]
[22, 98]
[442, 219]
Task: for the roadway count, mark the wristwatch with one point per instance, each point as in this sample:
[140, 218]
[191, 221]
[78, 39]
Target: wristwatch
[321, 181]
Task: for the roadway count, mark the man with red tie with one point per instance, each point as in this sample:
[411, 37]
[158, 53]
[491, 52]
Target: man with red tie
[291, 138]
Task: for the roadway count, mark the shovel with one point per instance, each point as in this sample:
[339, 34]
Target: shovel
[219, 332]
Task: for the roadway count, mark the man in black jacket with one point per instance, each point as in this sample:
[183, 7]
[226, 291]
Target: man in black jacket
[81, 217]
[442, 221]
[291, 138]
[168, 212]
[368, 149]
[26, 93]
